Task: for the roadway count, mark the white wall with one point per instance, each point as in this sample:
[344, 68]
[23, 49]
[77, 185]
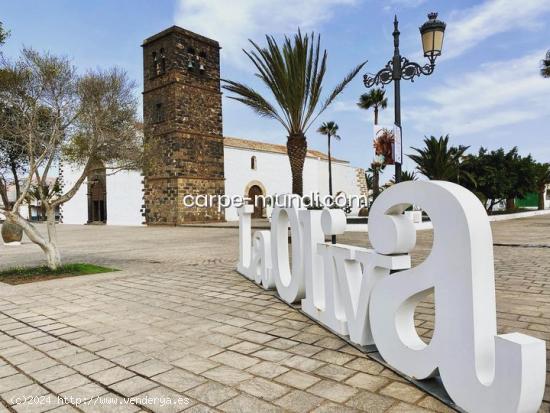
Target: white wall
[75, 211]
[273, 171]
[124, 198]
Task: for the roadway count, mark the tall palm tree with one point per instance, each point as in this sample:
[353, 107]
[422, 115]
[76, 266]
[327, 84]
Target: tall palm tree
[293, 72]
[375, 99]
[438, 160]
[330, 129]
[545, 65]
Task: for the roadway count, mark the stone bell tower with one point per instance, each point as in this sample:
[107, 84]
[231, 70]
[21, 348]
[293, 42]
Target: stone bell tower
[182, 113]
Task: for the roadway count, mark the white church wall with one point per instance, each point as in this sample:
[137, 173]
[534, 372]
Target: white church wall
[273, 173]
[75, 211]
[124, 198]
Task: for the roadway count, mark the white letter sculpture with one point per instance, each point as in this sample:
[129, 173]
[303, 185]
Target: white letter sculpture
[352, 291]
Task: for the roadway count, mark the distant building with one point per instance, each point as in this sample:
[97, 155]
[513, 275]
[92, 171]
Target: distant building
[31, 208]
[187, 153]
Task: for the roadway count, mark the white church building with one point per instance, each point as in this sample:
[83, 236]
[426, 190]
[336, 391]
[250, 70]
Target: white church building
[250, 167]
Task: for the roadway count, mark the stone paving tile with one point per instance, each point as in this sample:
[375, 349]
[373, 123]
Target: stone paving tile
[164, 400]
[263, 389]
[67, 383]
[248, 404]
[212, 393]
[230, 358]
[52, 373]
[194, 363]
[299, 401]
[332, 391]
[151, 368]
[331, 407]
[297, 379]
[267, 369]
[302, 363]
[13, 382]
[370, 402]
[112, 375]
[227, 375]
[367, 381]
[21, 394]
[334, 372]
[133, 386]
[179, 380]
[401, 391]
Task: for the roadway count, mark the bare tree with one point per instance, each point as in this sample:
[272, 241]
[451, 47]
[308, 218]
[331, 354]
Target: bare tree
[58, 114]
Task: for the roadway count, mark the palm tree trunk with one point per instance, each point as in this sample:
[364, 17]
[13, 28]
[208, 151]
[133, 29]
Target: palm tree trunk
[375, 115]
[375, 182]
[329, 168]
[296, 147]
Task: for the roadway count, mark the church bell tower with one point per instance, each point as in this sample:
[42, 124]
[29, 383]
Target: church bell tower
[182, 113]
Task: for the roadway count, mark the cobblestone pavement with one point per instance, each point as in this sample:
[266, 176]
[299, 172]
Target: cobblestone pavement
[179, 324]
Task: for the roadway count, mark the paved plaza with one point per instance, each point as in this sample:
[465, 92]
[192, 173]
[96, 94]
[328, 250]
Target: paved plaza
[178, 329]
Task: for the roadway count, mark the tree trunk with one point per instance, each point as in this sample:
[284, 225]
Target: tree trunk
[49, 246]
[541, 199]
[296, 147]
[53, 256]
[13, 168]
[375, 115]
[510, 204]
[375, 182]
[329, 169]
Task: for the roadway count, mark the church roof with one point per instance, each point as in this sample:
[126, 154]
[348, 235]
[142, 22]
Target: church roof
[271, 147]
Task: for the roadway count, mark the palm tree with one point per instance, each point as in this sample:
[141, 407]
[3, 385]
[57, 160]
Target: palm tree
[438, 160]
[293, 73]
[542, 176]
[545, 65]
[405, 176]
[330, 129]
[375, 99]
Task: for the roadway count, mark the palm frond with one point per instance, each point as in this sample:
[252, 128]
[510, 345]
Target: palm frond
[253, 99]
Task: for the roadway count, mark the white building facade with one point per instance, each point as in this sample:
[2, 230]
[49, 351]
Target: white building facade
[251, 168]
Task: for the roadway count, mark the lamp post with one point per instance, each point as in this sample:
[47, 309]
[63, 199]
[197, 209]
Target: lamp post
[400, 67]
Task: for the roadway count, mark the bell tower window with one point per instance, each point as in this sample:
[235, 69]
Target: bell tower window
[155, 64]
[162, 62]
[253, 163]
[159, 113]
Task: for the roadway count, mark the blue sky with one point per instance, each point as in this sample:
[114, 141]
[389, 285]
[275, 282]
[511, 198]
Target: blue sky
[486, 89]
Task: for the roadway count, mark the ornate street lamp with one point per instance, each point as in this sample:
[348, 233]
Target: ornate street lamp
[401, 68]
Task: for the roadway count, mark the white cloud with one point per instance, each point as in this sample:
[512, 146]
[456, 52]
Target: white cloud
[498, 94]
[233, 22]
[472, 26]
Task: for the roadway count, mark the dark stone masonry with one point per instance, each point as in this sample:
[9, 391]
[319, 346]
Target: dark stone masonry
[182, 112]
